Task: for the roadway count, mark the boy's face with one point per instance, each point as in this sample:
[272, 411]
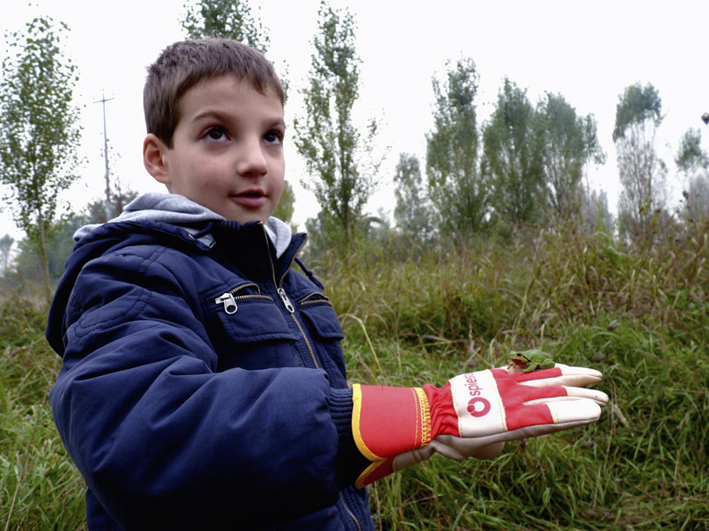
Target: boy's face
[227, 150]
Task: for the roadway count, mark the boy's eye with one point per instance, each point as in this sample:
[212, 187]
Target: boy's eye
[273, 137]
[216, 133]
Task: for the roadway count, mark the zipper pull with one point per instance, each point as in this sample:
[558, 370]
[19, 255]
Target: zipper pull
[229, 303]
[285, 300]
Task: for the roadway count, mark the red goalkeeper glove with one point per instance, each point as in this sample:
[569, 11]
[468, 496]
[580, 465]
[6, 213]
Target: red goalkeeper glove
[471, 416]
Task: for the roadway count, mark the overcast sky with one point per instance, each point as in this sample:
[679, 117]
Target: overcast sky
[586, 51]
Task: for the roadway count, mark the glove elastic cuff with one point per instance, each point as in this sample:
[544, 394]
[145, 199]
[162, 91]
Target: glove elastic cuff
[387, 421]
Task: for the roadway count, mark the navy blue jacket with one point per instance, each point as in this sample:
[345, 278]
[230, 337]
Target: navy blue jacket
[203, 384]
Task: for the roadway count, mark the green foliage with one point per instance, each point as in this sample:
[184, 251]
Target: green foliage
[231, 19]
[328, 138]
[28, 265]
[642, 172]
[284, 210]
[568, 143]
[512, 159]
[98, 211]
[6, 243]
[412, 211]
[693, 162]
[690, 157]
[27, 270]
[636, 106]
[40, 130]
[456, 185]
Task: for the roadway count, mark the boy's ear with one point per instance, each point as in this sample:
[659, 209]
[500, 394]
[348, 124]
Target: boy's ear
[154, 160]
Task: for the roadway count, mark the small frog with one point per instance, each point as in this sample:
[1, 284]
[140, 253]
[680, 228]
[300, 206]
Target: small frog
[530, 360]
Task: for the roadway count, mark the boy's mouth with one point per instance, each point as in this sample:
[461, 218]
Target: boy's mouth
[251, 198]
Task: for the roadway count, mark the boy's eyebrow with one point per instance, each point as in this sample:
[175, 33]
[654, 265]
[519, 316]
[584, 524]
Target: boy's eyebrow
[211, 113]
[225, 117]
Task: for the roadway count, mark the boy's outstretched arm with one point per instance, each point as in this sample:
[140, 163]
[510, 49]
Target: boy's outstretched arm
[471, 416]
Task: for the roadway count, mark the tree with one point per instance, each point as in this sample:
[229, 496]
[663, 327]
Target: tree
[691, 158]
[512, 159]
[642, 172]
[230, 19]
[100, 212]
[6, 243]
[284, 210]
[412, 212]
[28, 263]
[568, 142]
[456, 186]
[693, 162]
[39, 131]
[327, 138]
[697, 199]
[595, 214]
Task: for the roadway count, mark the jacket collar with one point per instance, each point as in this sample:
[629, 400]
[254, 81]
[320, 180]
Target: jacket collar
[177, 210]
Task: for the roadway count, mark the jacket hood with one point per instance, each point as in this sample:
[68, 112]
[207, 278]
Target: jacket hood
[175, 209]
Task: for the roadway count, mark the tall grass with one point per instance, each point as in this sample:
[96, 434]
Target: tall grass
[39, 487]
[640, 315]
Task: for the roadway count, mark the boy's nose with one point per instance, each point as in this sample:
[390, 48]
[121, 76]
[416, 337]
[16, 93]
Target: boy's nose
[251, 161]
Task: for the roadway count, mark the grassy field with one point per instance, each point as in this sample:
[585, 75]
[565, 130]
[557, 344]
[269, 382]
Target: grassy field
[640, 316]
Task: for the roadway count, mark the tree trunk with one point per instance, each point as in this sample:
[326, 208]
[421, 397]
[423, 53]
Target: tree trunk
[44, 256]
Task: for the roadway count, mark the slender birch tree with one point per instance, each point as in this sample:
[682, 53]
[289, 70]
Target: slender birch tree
[39, 130]
[456, 186]
[328, 138]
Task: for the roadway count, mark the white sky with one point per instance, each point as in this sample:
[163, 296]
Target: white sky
[588, 53]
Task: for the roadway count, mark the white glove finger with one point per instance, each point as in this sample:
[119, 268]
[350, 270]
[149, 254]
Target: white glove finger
[539, 430]
[575, 393]
[566, 414]
[570, 376]
[582, 410]
[507, 436]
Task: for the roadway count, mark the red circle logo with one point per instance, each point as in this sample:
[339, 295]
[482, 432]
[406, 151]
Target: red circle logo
[478, 407]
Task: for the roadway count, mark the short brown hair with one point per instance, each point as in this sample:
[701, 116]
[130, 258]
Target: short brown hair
[184, 64]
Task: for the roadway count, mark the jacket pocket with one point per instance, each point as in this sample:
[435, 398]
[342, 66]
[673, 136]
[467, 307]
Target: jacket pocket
[250, 332]
[324, 327]
[321, 316]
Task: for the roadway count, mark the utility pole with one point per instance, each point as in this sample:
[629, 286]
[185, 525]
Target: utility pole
[103, 101]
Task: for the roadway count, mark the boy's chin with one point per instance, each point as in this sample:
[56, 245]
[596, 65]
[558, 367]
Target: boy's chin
[253, 218]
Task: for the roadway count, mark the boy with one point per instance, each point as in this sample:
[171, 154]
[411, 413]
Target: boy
[203, 385]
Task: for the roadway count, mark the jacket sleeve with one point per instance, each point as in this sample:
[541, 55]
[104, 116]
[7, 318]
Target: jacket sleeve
[161, 437]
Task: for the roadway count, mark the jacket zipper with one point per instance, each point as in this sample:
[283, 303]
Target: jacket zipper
[284, 296]
[349, 511]
[322, 299]
[291, 310]
[228, 299]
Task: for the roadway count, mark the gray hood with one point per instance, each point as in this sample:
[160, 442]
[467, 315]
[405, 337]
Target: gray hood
[178, 210]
